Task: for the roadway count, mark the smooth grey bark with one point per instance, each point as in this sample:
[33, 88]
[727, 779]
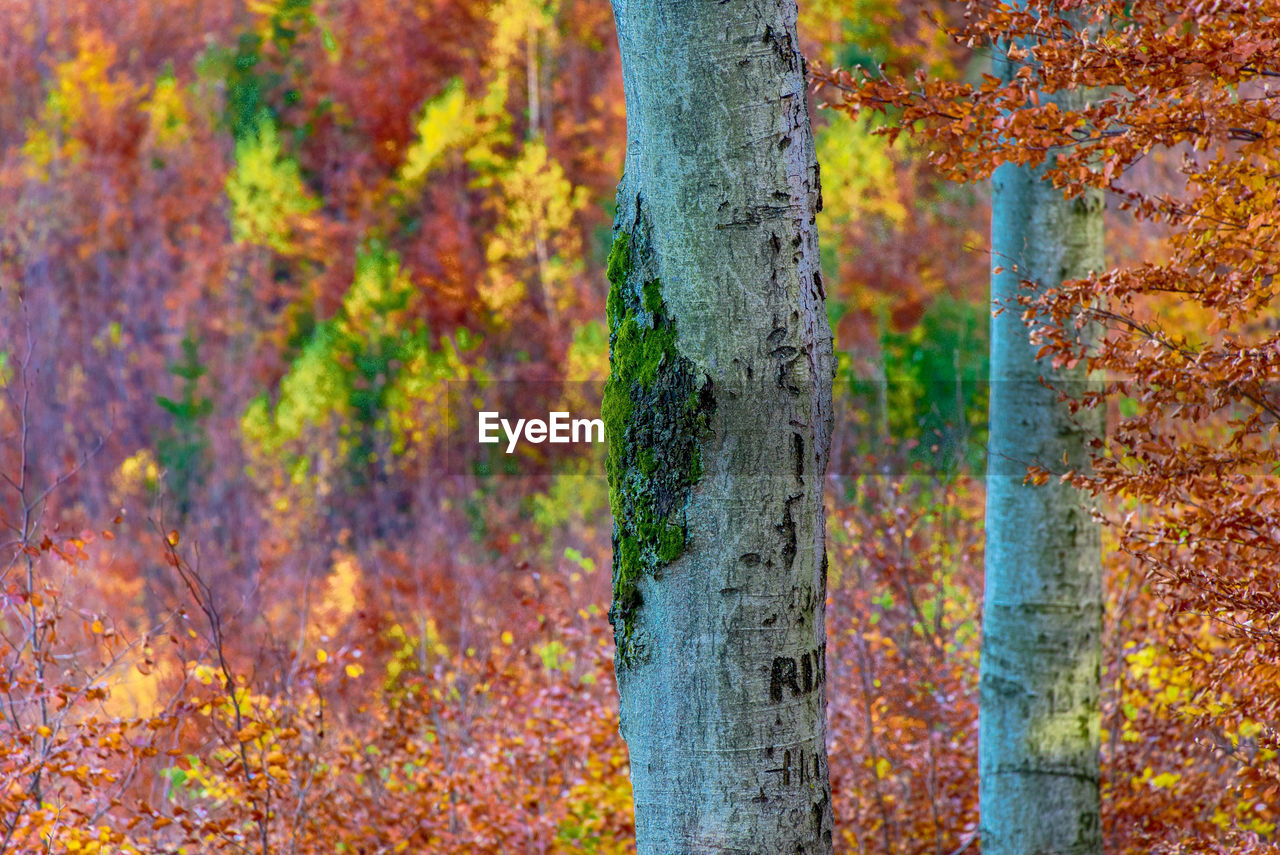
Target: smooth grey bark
[719, 417]
[1039, 731]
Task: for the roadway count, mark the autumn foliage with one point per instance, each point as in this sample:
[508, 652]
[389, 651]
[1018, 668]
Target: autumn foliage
[252, 250]
[1180, 132]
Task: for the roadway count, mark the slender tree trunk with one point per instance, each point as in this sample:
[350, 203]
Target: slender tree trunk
[718, 410]
[1042, 618]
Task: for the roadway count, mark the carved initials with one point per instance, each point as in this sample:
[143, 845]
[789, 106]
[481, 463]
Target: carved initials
[800, 678]
[805, 768]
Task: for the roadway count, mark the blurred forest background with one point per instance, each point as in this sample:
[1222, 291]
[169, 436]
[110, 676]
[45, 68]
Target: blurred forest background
[248, 245]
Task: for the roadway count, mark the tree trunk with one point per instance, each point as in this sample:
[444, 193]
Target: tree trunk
[1042, 620]
[718, 410]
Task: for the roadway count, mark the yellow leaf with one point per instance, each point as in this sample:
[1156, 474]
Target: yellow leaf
[270, 203]
[447, 122]
[354, 670]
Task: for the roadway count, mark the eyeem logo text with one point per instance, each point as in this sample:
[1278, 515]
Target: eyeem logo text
[558, 428]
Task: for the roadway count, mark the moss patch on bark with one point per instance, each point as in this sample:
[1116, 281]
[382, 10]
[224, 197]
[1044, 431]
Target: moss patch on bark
[656, 411]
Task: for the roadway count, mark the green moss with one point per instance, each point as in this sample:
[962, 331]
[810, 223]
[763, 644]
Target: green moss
[638, 352]
[618, 266]
[653, 297]
[656, 411]
[671, 539]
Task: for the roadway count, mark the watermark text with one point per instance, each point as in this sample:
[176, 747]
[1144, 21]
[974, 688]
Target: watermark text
[558, 428]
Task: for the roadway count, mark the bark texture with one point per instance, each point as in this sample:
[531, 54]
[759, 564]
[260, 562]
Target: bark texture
[718, 411]
[1042, 621]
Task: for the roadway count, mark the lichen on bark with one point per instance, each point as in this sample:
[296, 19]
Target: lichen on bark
[656, 411]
